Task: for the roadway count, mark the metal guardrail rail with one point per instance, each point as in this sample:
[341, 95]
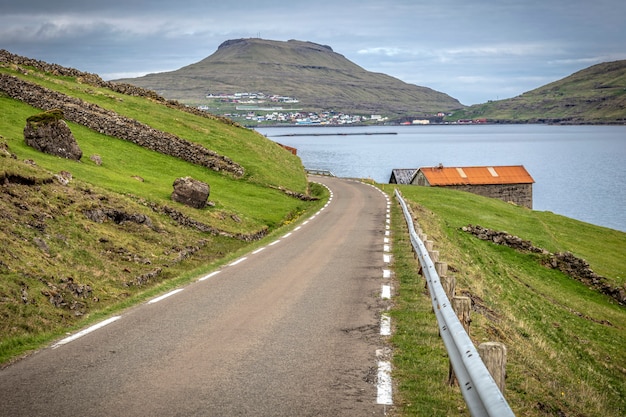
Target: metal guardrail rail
[481, 394]
[324, 172]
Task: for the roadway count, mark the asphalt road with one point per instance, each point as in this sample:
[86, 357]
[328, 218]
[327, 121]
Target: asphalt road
[289, 330]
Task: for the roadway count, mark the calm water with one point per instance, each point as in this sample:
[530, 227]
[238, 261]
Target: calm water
[579, 171]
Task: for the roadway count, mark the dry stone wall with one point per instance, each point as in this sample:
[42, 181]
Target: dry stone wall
[565, 262]
[113, 124]
[96, 81]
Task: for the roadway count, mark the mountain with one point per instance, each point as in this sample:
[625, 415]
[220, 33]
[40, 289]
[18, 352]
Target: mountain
[318, 77]
[593, 95]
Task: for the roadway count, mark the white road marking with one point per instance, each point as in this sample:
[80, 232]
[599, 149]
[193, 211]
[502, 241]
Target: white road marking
[386, 273]
[386, 292]
[86, 331]
[386, 248]
[274, 242]
[238, 261]
[287, 235]
[297, 228]
[212, 274]
[385, 325]
[384, 383]
[164, 296]
[258, 250]
[386, 258]
[386, 240]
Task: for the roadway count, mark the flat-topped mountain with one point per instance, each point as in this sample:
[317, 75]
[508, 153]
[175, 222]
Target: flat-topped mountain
[314, 74]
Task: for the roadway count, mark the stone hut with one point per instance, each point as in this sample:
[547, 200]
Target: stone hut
[508, 183]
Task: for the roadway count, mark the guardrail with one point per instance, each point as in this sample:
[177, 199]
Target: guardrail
[481, 394]
[324, 172]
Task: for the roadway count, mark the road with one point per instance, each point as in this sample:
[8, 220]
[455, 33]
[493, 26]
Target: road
[290, 329]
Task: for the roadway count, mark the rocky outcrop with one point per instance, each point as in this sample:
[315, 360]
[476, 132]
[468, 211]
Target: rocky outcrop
[100, 215]
[48, 133]
[113, 124]
[191, 192]
[565, 262]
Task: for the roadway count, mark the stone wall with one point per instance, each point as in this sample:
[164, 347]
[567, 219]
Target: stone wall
[113, 124]
[108, 122]
[565, 262]
[520, 194]
[96, 81]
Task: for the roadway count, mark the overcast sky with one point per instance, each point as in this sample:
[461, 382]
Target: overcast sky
[473, 50]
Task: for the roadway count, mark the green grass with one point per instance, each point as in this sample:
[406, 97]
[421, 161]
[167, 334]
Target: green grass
[264, 162]
[566, 342]
[48, 245]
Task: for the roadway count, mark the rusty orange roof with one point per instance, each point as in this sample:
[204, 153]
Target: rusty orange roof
[515, 174]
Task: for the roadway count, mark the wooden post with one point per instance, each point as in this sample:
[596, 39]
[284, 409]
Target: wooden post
[493, 355]
[441, 268]
[434, 255]
[462, 307]
[449, 286]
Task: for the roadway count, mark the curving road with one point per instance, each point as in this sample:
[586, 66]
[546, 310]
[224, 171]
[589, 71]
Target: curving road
[291, 329]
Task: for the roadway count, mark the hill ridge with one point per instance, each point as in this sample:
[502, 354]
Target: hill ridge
[320, 78]
[596, 94]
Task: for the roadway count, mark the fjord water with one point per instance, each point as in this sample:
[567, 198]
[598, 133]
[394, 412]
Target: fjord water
[579, 171]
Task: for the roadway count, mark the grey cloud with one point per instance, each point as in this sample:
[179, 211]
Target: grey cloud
[472, 50]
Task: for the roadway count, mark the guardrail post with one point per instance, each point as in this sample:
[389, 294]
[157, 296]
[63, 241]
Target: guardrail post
[441, 268]
[462, 307]
[493, 355]
[449, 285]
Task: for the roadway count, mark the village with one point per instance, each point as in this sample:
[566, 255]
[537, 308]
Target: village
[260, 108]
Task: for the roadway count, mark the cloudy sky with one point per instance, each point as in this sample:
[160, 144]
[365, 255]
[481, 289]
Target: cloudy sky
[473, 50]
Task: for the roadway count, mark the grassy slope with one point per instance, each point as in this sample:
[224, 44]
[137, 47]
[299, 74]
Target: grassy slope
[108, 256]
[566, 343]
[596, 94]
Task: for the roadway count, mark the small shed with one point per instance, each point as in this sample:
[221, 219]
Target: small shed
[402, 175]
[508, 183]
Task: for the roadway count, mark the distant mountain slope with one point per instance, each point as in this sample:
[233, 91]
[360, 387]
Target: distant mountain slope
[594, 95]
[320, 78]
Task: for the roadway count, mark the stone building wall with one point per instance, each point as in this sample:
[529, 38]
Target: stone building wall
[520, 194]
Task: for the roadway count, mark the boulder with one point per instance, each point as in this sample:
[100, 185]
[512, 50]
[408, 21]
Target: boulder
[47, 132]
[191, 192]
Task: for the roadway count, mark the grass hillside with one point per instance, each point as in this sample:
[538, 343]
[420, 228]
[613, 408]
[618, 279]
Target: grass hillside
[314, 74]
[60, 267]
[594, 95]
[566, 342]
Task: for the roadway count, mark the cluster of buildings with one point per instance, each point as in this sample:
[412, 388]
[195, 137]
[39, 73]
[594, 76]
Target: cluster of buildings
[308, 118]
[251, 98]
[258, 107]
